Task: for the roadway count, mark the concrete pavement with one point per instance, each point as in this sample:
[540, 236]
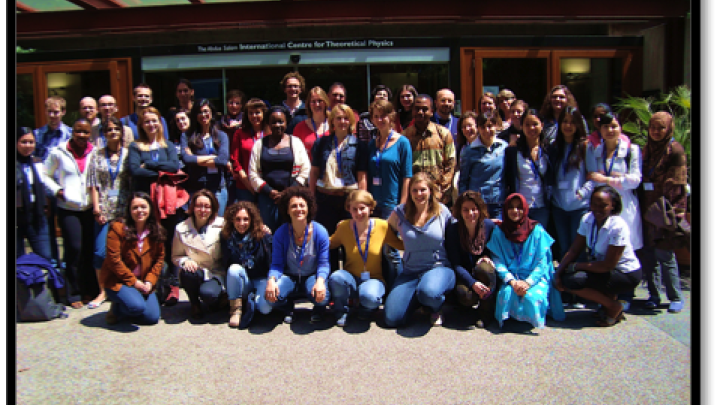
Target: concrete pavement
[81, 360]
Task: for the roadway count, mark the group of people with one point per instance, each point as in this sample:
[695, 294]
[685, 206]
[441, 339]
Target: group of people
[254, 209]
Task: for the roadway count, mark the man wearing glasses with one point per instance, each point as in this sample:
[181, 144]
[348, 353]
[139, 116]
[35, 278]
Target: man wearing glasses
[338, 95]
[293, 85]
[108, 108]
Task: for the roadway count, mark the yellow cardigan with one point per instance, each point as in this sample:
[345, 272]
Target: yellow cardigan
[381, 234]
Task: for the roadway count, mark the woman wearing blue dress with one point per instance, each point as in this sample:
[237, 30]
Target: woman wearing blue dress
[520, 249]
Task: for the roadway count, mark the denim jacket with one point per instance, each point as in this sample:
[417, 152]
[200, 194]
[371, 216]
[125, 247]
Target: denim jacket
[482, 170]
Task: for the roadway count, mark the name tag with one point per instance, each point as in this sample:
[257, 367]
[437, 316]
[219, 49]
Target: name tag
[563, 185]
[377, 181]
[113, 193]
[365, 276]
[212, 170]
[535, 189]
[648, 186]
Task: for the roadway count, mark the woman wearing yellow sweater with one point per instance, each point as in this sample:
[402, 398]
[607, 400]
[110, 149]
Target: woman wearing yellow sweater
[362, 238]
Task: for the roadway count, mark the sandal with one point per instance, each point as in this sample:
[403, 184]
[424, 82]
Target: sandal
[77, 304]
[610, 321]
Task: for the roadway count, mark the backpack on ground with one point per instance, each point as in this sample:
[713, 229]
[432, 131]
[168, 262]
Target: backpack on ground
[37, 282]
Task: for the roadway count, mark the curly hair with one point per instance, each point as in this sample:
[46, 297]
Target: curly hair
[256, 222]
[546, 111]
[462, 139]
[299, 192]
[295, 75]
[152, 224]
[476, 198]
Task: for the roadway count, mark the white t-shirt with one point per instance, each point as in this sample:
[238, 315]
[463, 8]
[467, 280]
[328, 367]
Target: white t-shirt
[614, 232]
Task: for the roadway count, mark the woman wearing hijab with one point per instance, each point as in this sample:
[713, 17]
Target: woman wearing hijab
[520, 249]
[30, 198]
[664, 174]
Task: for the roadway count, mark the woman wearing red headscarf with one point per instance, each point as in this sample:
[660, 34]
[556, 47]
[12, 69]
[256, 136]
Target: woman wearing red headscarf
[664, 176]
[520, 249]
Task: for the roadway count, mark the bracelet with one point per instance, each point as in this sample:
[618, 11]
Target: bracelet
[570, 268]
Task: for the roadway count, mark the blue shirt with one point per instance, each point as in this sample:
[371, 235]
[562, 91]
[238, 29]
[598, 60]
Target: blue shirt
[482, 170]
[450, 124]
[47, 139]
[395, 166]
[424, 246]
[200, 177]
[285, 255]
[569, 181]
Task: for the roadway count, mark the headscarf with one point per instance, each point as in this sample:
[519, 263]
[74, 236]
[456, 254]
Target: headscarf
[517, 232]
[654, 151]
[22, 164]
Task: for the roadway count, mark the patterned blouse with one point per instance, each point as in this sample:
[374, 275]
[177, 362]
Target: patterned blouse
[113, 195]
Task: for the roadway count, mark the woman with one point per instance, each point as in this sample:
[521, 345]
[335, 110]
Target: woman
[66, 178]
[230, 123]
[520, 250]
[148, 157]
[316, 125]
[612, 267]
[205, 152]
[406, 100]
[389, 172]
[177, 130]
[30, 198]
[185, 95]
[135, 254]
[338, 167]
[664, 173]
[246, 254]
[362, 238]
[465, 243]
[526, 165]
[196, 252]
[254, 126]
[513, 131]
[109, 183]
[505, 99]
[277, 162]
[426, 276]
[487, 103]
[481, 167]
[555, 101]
[618, 164]
[598, 111]
[571, 190]
[300, 266]
[366, 129]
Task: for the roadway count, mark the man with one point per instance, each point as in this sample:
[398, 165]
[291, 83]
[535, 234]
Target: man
[338, 95]
[108, 108]
[293, 85]
[47, 138]
[433, 147]
[89, 110]
[142, 97]
[444, 106]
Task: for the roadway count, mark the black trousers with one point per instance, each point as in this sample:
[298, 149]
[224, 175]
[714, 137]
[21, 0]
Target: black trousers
[79, 243]
[198, 289]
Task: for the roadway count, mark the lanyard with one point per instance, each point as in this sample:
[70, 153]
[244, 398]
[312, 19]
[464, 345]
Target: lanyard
[209, 145]
[155, 154]
[302, 249]
[566, 160]
[518, 254]
[612, 161]
[114, 175]
[593, 237]
[101, 134]
[315, 126]
[367, 242]
[379, 152]
[338, 154]
[259, 135]
[534, 166]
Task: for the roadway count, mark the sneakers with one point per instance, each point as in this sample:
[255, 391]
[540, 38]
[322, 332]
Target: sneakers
[577, 305]
[625, 304]
[675, 307]
[436, 319]
[342, 320]
[173, 297]
[652, 303]
[288, 317]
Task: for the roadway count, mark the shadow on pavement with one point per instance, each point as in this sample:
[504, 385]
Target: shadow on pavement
[97, 320]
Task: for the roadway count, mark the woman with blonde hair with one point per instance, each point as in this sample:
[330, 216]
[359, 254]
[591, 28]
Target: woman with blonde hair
[316, 125]
[362, 238]
[427, 275]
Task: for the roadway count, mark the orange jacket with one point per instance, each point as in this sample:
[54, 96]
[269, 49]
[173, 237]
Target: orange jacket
[123, 256]
[167, 195]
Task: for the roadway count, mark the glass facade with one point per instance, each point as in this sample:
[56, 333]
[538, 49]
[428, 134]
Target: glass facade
[73, 86]
[592, 80]
[526, 77]
[25, 101]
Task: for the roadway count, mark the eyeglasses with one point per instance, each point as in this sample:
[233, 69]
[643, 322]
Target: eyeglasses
[338, 95]
[292, 86]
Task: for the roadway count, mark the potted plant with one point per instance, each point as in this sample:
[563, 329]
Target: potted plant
[637, 112]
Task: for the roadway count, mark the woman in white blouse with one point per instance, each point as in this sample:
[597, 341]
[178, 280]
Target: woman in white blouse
[612, 266]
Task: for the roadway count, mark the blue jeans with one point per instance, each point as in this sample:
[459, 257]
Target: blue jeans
[566, 226]
[101, 232]
[391, 256]
[239, 285]
[660, 266]
[344, 285]
[410, 290]
[222, 197]
[541, 215]
[293, 287]
[131, 304]
[269, 212]
[39, 238]
[245, 195]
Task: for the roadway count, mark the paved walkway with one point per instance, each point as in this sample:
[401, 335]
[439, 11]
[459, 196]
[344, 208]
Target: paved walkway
[644, 360]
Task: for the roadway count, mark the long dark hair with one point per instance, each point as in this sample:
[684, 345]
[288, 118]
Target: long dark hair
[252, 104]
[522, 144]
[546, 110]
[256, 222]
[157, 232]
[213, 202]
[196, 139]
[476, 199]
[577, 151]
